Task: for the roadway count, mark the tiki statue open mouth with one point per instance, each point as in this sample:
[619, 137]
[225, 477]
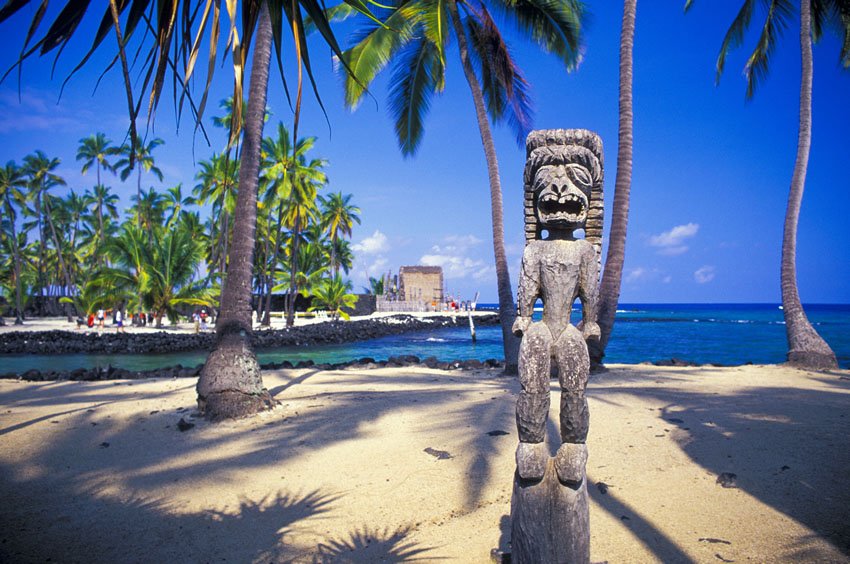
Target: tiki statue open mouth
[562, 195]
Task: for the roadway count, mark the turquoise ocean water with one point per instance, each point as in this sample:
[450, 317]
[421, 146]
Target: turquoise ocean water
[702, 333]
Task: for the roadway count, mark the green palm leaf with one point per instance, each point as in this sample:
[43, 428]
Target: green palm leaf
[417, 73]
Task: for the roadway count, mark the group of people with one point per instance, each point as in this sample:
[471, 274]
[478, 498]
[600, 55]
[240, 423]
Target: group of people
[97, 320]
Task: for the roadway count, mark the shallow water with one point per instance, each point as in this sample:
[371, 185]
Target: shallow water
[702, 333]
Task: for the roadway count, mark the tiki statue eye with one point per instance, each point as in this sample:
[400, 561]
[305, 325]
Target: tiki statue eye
[579, 175]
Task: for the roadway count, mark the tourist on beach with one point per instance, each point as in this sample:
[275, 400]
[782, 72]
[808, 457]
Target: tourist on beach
[203, 320]
[119, 321]
[100, 318]
[196, 320]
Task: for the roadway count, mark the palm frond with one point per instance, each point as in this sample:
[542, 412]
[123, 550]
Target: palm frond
[416, 74]
[505, 89]
[734, 35]
[758, 64]
[374, 48]
[555, 25]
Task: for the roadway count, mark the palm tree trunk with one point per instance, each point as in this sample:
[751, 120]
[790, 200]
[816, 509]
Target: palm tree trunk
[267, 319]
[293, 269]
[805, 347]
[507, 307]
[609, 289]
[230, 384]
[19, 313]
[62, 267]
[40, 275]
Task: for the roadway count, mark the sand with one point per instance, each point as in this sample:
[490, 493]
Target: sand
[351, 467]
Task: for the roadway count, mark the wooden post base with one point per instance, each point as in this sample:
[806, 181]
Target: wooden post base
[549, 520]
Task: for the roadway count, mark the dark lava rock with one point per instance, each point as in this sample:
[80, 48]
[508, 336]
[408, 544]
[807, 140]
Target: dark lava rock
[603, 487]
[728, 480]
[471, 364]
[675, 362]
[498, 433]
[438, 454]
[431, 362]
[184, 425]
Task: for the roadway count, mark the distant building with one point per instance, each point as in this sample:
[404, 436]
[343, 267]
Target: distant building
[421, 283]
[415, 288]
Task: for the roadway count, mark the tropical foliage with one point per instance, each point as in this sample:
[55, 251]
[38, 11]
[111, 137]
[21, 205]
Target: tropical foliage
[84, 250]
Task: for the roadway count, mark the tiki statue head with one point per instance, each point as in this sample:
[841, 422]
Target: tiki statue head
[563, 182]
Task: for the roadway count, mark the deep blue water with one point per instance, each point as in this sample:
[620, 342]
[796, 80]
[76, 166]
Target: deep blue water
[702, 333]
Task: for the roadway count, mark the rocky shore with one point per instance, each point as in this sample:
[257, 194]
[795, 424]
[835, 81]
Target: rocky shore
[179, 371]
[331, 332]
[61, 342]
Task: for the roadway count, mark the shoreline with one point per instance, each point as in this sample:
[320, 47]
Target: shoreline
[51, 338]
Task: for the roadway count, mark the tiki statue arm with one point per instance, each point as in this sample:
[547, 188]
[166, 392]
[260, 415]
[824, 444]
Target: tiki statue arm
[588, 293]
[528, 292]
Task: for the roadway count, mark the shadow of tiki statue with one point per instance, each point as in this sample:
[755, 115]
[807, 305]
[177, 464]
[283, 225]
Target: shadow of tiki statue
[563, 193]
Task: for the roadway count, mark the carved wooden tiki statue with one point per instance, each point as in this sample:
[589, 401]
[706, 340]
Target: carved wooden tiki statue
[563, 193]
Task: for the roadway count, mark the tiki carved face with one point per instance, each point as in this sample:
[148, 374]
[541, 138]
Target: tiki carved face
[562, 194]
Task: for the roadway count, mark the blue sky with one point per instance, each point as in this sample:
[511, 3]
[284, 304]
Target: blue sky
[710, 178]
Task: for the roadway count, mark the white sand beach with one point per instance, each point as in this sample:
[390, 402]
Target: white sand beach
[401, 464]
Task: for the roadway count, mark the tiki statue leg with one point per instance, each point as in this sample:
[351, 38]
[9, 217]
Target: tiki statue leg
[532, 408]
[573, 369]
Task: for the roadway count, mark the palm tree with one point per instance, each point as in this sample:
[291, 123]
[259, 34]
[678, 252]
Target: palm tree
[103, 202]
[612, 274]
[149, 209]
[176, 202]
[12, 183]
[39, 169]
[139, 156]
[339, 216]
[94, 150]
[286, 168]
[805, 347]
[419, 55]
[218, 179]
[230, 385]
[335, 296]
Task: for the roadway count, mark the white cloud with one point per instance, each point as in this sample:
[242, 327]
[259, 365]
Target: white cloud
[644, 274]
[457, 267]
[456, 244]
[635, 274]
[372, 245]
[672, 242]
[704, 274]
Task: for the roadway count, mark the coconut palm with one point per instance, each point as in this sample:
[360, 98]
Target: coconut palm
[612, 274]
[299, 210]
[335, 296]
[805, 346]
[103, 202]
[41, 178]
[418, 52]
[175, 203]
[12, 185]
[230, 384]
[95, 150]
[285, 168]
[139, 156]
[218, 178]
[339, 216]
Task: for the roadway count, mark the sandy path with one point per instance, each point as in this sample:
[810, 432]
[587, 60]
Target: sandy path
[339, 471]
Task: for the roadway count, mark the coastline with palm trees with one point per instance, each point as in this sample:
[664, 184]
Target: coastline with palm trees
[271, 415]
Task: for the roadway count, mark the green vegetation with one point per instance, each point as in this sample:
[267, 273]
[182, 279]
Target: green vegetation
[166, 252]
